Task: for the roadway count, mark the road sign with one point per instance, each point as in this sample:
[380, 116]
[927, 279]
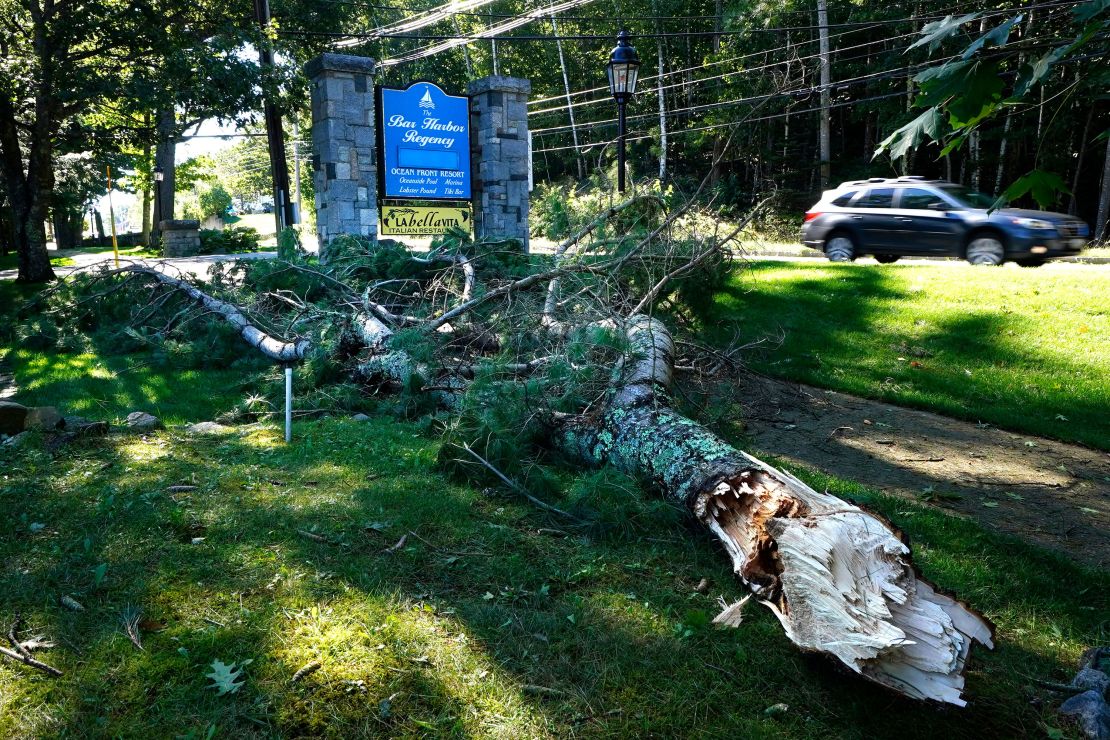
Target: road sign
[425, 143]
[423, 220]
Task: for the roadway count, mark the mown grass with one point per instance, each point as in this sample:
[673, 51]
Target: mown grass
[482, 623]
[1022, 349]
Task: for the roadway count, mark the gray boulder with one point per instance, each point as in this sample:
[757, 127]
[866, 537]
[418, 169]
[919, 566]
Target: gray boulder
[1089, 711]
[12, 416]
[360, 417]
[1088, 679]
[43, 419]
[141, 421]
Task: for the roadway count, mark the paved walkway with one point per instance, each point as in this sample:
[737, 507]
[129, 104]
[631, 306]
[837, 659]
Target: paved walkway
[198, 266]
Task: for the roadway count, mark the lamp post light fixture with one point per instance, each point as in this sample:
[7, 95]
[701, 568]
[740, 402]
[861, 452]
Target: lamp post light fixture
[624, 68]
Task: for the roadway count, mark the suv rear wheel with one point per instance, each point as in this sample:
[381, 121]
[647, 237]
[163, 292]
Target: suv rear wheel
[840, 248]
[985, 250]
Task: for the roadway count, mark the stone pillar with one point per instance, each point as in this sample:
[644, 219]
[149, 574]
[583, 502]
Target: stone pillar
[500, 157]
[180, 237]
[343, 143]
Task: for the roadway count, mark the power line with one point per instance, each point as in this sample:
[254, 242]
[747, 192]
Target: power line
[785, 114]
[640, 137]
[991, 14]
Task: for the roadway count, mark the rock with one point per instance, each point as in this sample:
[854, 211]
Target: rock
[18, 440]
[81, 426]
[1088, 679]
[360, 417]
[207, 427]
[12, 415]
[1090, 712]
[43, 419]
[141, 421]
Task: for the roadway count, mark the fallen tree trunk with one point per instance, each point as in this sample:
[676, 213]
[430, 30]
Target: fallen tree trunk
[839, 579]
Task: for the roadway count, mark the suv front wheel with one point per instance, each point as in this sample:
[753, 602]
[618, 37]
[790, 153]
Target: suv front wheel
[985, 250]
[840, 249]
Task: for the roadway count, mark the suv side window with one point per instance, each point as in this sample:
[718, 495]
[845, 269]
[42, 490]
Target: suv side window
[845, 199]
[877, 198]
[922, 200]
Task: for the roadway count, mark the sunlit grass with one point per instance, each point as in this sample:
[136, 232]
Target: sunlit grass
[1023, 349]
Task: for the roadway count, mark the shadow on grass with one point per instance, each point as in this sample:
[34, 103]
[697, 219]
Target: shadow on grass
[478, 624]
[868, 331]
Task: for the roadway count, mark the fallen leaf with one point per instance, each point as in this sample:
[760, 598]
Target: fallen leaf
[991, 504]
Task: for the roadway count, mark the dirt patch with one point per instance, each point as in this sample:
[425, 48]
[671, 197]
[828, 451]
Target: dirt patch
[1050, 493]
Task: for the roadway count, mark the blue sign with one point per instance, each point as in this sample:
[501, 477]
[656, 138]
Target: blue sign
[425, 143]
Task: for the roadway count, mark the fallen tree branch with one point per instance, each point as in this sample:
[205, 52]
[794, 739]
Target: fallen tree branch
[22, 654]
[517, 488]
[273, 348]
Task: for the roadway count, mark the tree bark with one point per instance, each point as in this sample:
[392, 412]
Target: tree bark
[1104, 198]
[826, 96]
[662, 115]
[164, 154]
[839, 580]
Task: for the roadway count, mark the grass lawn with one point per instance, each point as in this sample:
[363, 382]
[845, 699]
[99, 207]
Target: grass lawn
[11, 261]
[480, 623]
[489, 619]
[1022, 349]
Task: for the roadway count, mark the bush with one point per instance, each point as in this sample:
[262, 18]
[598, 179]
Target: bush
[215, 202]
[231, 240]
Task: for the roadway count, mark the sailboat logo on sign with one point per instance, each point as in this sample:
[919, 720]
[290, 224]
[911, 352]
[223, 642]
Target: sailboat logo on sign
[426, 102]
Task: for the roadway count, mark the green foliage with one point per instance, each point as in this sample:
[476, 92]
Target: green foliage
[229, 240]
[215, 201]
[1045, 187]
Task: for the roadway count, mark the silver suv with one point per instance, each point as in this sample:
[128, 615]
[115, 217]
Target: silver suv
[890, 218]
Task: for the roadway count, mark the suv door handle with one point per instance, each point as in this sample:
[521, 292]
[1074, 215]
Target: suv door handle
[905, 219]
[857, 218]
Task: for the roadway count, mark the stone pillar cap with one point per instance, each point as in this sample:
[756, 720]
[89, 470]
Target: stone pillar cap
[178, 224]
[340, 63]
[499, 83]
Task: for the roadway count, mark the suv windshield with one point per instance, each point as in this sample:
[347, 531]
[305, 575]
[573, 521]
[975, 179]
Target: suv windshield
[967, 197]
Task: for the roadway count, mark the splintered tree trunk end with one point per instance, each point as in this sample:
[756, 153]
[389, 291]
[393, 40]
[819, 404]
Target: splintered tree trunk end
[838, 578]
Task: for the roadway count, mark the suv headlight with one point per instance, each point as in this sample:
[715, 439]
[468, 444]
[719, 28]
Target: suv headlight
[1033, 223]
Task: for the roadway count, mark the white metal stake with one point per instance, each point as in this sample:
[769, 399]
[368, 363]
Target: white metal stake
[288, 405]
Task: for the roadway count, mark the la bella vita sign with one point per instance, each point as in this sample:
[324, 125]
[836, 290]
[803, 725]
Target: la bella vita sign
[425, 143]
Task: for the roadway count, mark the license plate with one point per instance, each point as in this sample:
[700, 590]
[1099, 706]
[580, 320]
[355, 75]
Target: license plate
[1077, 243]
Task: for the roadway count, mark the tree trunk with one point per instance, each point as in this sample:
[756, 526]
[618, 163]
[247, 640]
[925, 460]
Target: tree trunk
[826, 94]
[164, 154]
[145, 226]
[68, 227]
[839, 580]
[662, 115]
[99, 221]
[1103, 198]
[1079, 159]
[570, 105]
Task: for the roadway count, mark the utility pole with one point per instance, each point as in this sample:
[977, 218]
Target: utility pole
[570, 105]
[296, 169]
[826, 94]
[283, 205]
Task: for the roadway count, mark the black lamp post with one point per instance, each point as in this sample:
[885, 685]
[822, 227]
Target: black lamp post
[159, 176]
[624, 67]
